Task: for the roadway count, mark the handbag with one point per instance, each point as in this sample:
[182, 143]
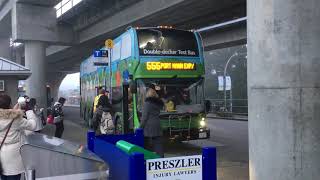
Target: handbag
[50, 119]
[57, 119]
[4, 139]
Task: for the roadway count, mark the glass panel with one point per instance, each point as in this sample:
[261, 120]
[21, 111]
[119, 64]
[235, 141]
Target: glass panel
[116, 51]
[66, 7]
[179, 95]
[167, 42]
[59, 13]
[65, 2]
[126, 46]
[75, 2]
[58, 6]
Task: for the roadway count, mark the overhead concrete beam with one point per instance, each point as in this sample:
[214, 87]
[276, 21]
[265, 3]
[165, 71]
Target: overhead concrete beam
[225, 37]
[5, 50]
[49, 3]
[55, 49]
[147, 13]
[5, 7]
[5, 26]
[38, 23]
[54, 80]
[136, 12]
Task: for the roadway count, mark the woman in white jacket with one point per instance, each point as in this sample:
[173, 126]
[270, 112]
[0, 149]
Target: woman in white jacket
[10, 157]
[32, 105]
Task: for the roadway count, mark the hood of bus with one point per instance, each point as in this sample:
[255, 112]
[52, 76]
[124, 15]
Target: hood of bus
[169, 67]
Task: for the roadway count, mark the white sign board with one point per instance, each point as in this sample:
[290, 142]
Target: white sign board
[176, 168]
[228, 83]
[220, 83]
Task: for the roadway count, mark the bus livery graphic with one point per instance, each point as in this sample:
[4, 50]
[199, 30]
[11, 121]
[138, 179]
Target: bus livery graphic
[169, 59]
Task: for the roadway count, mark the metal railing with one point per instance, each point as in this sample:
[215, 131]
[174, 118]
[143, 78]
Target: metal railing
[228, 107]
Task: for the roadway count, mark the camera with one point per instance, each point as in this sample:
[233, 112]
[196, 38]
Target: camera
[22, 101]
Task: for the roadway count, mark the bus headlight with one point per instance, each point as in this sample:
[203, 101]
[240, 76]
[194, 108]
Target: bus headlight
[202, 123]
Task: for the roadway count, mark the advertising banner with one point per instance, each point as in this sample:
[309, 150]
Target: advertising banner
[220, 83]
[228, 83]
[186, 168]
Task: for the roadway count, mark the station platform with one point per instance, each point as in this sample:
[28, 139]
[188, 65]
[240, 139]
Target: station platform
[230, 138]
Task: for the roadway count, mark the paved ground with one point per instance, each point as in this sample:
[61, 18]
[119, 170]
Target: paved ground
[74, 129]
[230, 137]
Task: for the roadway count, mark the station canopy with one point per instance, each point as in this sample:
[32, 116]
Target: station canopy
[9, 68]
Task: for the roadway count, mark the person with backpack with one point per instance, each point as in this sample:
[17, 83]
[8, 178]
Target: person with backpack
[57, 113]
[102, 121]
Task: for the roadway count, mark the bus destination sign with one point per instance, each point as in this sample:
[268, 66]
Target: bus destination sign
[160, 66]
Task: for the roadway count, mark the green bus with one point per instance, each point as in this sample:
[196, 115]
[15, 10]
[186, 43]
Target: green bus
[170, 60]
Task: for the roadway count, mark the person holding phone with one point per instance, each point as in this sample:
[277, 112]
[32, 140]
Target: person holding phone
[12, 136]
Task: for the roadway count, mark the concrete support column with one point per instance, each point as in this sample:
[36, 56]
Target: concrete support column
[18, 57]
[55, 91]
[54, 80]
[5, 50]
[284, 89]
[35, 61]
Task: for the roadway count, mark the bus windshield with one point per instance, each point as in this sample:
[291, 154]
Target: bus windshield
[179, 96]
[167, 42]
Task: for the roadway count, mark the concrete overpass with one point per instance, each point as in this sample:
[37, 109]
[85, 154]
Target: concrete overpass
[57, 46]
[283, 61]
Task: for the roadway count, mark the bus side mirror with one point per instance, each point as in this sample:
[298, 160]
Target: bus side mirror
[133, 86]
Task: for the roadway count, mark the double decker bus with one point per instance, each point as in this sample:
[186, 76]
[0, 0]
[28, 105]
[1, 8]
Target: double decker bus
[171, 61]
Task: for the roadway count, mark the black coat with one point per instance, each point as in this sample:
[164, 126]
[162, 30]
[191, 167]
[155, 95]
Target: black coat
[150, 121]
[104, 102]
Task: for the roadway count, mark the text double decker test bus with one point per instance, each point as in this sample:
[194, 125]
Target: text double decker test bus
[170, 60]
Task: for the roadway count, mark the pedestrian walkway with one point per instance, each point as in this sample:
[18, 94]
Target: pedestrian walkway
[230, 138]
[72, 132]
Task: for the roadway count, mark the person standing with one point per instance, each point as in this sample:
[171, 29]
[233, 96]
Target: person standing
[32, 105]
[150, 122]
[103, 122]
[12, 136]
[59, 116]
[97, 112]
[96, 99]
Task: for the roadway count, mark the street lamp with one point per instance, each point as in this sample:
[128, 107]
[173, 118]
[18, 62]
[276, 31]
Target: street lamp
[225, 81]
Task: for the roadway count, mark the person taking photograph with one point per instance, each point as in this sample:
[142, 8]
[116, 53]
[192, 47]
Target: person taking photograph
[12, 136]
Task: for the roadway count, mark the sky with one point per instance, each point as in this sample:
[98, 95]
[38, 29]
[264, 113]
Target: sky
[71, 81]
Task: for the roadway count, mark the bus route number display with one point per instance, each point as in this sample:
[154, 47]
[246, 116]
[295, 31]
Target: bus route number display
[158, 66]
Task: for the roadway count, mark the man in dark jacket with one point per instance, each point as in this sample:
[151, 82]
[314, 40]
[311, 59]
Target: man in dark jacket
[150, 122]
[58, 113]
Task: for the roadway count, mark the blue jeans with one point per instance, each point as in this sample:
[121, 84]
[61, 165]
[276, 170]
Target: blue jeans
[14, 177]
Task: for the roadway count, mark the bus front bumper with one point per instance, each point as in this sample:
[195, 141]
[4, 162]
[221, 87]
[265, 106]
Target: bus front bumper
[193, 134]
